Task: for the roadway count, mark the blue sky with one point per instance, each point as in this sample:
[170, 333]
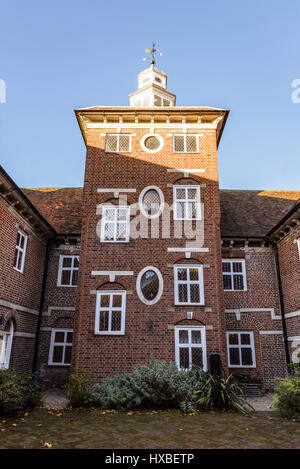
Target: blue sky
[61, 55]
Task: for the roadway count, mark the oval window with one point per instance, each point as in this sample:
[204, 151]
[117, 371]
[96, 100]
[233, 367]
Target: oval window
[149, 285]
[151, 202]
[152, 143]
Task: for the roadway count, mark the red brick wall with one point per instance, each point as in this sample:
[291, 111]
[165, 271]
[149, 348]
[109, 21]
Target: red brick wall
[113, 354]
[21, 289]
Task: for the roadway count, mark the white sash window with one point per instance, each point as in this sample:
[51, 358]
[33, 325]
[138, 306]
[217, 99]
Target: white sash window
[6, 338]
[190, 347]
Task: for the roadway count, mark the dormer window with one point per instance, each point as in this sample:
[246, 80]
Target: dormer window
[118, 143]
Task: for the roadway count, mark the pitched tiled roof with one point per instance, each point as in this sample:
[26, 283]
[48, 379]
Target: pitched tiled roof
[253, 213]
[60, 206]
[244, 212]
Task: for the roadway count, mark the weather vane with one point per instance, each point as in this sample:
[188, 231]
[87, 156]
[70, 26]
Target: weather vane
[153, 51]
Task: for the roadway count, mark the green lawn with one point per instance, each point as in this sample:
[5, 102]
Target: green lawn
[165, 429]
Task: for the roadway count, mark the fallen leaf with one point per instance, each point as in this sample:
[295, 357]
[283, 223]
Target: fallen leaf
[39, 425]
[45, 444]
[14, 425]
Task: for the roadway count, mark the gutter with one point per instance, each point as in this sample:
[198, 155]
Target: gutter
[38, 327]
[281, 300]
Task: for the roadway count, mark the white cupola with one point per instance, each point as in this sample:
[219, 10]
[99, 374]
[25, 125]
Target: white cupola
[152, 88]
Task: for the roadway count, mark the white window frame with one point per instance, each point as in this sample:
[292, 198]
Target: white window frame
[239, 346]
[21, 251]
[61, 269]
[114, 222]
[190, 345]
[152, 134]
[231, 273]
[162, 202]
[110, 309]
[184, 140]
[186, 200]
[188, 282]
[63, 344]
[298, 242]
[160, 288]
[118, 142]
[5, 350]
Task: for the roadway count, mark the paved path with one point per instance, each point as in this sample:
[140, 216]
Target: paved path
[263, 403]
[54, 398]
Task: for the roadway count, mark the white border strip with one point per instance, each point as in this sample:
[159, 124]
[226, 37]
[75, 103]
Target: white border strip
[112, 273]
[16, 307]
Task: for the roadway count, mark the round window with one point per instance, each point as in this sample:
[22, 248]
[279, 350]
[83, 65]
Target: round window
[152, 143]
[149, 285]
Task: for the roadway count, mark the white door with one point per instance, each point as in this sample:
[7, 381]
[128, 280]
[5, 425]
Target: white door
[190, 347]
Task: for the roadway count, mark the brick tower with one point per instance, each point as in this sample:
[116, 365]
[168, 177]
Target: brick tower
[150, 274]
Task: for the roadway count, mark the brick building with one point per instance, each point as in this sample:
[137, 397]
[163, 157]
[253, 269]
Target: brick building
[150, 259]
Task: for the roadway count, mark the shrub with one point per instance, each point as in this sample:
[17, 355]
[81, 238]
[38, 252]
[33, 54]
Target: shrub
[80, 390]
[154, 385]
[216, 393]
[17, 392]
[287, 396]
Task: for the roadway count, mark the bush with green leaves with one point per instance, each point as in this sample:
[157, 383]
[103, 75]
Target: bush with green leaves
[18, 392]
[287, 396]
[152, 385]
[216, 393]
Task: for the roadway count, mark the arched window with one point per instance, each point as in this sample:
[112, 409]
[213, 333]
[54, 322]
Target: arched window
[149, 285]
[6, 338]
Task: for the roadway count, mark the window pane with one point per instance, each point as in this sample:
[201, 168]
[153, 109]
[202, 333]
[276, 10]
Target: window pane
[117, 301]
[124, 143]
[182, 274]
[104, 302]
[110, 214]
[180, 194]
[191, 210]
[238, 282]
[180, 210]
[226, 266]
[57, 354]
[65, 277]
[103, 323]
[111, 142]
[183, 337]
[245, 339]
[196, 337]
[194, 274]
[150, 285]
[22, 241]
[195, 293]
[192, 194]
[67, 262]
[183, 357]
[234, 356]
[121, 230]
[16, 259]
[109, 231]
[68, 354]
[116, 320]
[227, 282]
[179, 143]
[191, 143]
[197, 358]
[166, 102]
[122, 214]
[19, 265]
[233, 339]
[74, 277]
[157, 100]
[247, 356]
[182, 293]
[69, 337]
[76, 262]
[237, 267]
[59, 337]
[152, 142]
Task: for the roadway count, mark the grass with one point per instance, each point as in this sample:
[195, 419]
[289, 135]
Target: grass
[80, 428]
